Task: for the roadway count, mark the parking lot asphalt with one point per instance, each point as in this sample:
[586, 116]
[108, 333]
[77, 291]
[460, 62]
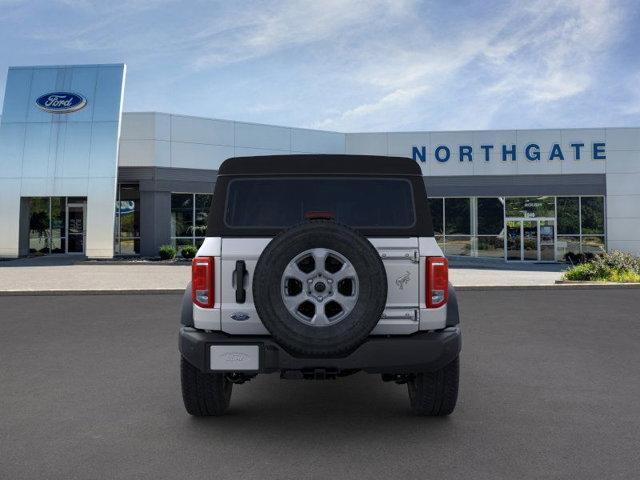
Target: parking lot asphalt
[550, 388]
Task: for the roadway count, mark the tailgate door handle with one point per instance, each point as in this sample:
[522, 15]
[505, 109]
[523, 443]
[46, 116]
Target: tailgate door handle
[240, 272]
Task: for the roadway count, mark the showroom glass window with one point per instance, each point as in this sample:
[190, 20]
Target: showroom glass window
[436, 205]
[568, 240]
[47, 224]
[530, 207]
[581, 225]
[457, 226]
[490, 227]
[47, 229]
[40, 225]
[127, 227]
[592, 219]
[189, 218]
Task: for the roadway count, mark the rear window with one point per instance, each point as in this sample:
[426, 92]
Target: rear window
[282, 202]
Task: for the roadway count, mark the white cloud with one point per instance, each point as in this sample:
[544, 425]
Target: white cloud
[283, 25]
[551, 56]
[538, 54]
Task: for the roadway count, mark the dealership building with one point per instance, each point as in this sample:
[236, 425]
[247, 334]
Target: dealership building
[80, 176]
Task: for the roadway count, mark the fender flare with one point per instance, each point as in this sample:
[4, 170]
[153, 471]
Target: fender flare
[186, 314]
[453, 314]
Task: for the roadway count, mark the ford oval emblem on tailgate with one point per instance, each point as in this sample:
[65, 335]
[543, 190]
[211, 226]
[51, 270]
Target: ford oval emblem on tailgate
[240, 316]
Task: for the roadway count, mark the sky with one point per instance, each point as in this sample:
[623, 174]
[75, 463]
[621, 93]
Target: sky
[351, 65]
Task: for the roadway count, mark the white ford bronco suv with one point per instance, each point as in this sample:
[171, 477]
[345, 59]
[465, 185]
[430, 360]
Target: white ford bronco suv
[319, 266]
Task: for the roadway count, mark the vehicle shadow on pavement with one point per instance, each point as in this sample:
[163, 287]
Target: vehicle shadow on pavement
[360, 402]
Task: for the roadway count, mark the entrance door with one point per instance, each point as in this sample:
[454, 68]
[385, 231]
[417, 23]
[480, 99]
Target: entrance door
[75, 227]
[547, 240]
[530, 240]
[514, 240]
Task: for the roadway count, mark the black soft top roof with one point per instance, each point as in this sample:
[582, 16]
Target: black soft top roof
[320, 164]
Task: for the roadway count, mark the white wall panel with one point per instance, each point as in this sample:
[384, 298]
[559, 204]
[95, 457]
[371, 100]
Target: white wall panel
[586, 165]
[197, 155]
[143, 153]
[623, 161]
[139, 126]
[632, 246]
[623, 229]
[623, 139]
[588, 136]
[262, 136]
[400, 144]
[544, 138]
[202, 130]
[544, 166]
[163, 126]
[250, 152]
[623, 183]
[367, 144]
[313, 141]
[623, 206]
[495, 165]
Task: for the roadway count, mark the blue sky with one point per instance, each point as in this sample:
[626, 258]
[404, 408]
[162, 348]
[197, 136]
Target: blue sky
[350, 65]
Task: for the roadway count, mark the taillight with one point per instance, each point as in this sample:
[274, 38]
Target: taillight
[437, 281]
[202, 284]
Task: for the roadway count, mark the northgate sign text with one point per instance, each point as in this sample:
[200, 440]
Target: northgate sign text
[532, 152]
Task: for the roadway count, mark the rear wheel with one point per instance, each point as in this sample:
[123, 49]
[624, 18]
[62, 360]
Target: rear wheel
[320, 288]
[204, 394]
[434, 394]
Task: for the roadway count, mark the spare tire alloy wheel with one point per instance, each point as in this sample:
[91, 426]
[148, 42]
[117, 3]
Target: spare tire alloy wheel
[320, 288]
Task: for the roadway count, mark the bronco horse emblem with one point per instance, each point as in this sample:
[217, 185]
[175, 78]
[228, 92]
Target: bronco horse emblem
[403, 280]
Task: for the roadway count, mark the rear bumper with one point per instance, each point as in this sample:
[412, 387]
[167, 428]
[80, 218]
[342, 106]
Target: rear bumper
[420, 352]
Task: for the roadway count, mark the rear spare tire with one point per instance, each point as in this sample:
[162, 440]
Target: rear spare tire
[320, 288]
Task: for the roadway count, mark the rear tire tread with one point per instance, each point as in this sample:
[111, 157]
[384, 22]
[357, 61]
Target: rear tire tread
[204, 394]
[435, 394]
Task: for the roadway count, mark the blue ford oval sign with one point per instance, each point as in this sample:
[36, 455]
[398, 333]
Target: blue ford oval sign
[61, 102]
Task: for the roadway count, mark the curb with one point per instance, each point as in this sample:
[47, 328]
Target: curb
[179, 263]
[156, 291]
[551, 286]
[459, 288]
[581, 282]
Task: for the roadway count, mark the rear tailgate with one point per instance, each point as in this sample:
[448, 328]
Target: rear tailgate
[405, 284]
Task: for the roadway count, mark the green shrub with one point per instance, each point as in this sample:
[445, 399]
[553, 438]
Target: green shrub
[167, 252]
[624, 277]
[582, 271]
[617, 260]
[615, 266]
[188, 251]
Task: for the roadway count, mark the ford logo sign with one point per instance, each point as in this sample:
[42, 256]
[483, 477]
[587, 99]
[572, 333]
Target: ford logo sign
[61, 102]
[240, 316]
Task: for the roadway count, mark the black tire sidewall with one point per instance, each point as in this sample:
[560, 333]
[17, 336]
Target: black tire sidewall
[351, 331]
